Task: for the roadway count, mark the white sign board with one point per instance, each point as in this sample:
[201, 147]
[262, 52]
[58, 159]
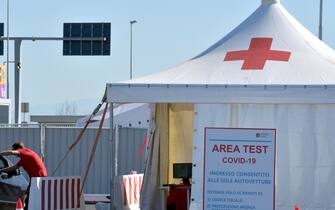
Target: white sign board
[239, 169]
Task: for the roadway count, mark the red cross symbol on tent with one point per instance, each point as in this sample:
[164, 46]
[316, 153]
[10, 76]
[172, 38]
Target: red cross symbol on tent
[258, 53]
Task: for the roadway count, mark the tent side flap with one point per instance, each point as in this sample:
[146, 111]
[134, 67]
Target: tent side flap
[279, 94]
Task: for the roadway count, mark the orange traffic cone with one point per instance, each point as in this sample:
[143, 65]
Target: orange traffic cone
[19, 204]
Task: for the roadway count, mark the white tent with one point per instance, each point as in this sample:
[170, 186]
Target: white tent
[269, 72]
[135, 115]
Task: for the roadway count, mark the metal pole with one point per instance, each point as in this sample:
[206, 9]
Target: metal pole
[17, 59]
[111, 153]
[320, 19]
[131, 51]
[38, 38]
[131, 48]
[42, 143]
[7, 67]
[116, 166]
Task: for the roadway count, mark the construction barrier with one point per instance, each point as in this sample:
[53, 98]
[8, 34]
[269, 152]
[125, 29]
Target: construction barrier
[49, 193]
[131, 190]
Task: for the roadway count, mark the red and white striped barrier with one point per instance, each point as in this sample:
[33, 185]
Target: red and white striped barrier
[19, 204]
[131, 190]
[55, 193]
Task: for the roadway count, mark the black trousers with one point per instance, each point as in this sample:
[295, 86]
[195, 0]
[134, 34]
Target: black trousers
[26, 200]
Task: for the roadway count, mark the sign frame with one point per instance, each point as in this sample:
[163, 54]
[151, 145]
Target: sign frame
[250, 129]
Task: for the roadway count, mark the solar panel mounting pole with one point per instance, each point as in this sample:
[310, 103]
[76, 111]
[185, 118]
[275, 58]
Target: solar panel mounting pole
[17, 79]
[17, 62]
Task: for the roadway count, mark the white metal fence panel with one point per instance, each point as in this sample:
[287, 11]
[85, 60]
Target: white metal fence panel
[58, 139]
[130, 142]
[29, 135]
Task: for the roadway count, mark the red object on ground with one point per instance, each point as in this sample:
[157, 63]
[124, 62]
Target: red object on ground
[31, 163]
[258, 53]
[19, 204]
[296, 208]
[178, 197]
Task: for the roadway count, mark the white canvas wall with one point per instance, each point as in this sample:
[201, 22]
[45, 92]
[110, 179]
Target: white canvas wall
[305, 166]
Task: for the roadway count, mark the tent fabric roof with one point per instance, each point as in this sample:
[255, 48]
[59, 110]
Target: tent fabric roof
[270, 1]
[269, 48]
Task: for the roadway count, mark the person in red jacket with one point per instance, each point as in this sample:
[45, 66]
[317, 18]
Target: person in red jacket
[29, 161]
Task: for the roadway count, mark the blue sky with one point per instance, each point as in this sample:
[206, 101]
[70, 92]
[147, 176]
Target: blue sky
[167, 33]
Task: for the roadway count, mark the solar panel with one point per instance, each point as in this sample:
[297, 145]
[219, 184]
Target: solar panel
[87, 47]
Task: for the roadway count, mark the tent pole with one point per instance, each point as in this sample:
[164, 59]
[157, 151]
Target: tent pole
[116, 167]
[111, 156]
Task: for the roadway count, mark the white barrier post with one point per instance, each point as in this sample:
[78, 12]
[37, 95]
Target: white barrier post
[131, 186]
[48, 193]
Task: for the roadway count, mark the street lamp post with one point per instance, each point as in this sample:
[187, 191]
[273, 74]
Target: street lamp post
[320, 19]
[131, 48]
